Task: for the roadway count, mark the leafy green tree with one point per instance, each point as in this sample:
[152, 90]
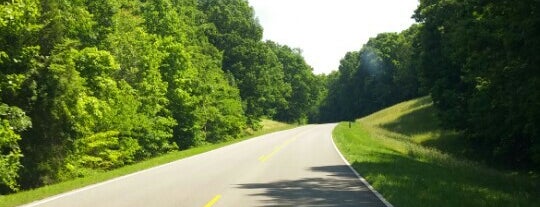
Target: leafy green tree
[378, 65]
[12, 121]
[27, 41]
[106, 83]
[337, 104]
[478, 59]
[233, 23]
[304, 94]
[328, 110]
[108, 135]
[65, 19]
[19, 52]
[439, 73]
[382, 73]
[407, 78]
[139, 57]
[257, 72]
[103, 12]
[206, 106]
[320, 91]
[260, 78]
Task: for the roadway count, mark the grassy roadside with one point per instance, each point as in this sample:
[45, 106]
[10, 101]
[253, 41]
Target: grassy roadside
[47, 191]
[411, 162]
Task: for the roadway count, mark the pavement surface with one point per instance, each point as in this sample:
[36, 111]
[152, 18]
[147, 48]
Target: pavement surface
[297, 167]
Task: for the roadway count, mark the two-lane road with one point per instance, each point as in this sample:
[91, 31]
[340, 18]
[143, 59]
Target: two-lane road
[297, 167]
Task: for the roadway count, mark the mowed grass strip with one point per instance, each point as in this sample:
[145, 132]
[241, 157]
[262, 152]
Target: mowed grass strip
[24, 197]
[412, 162]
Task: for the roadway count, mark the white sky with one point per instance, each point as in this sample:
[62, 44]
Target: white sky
[327, 29]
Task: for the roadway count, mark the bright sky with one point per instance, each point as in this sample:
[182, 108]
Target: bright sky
[327, 29]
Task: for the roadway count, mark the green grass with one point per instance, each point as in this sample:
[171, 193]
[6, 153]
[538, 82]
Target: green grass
[23, 197]
[403, 153]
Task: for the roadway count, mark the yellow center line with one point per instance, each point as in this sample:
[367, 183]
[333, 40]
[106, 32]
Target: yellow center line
[213, 201]
[263, 158]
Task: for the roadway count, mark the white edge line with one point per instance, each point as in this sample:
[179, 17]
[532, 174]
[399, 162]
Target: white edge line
[388, 204]
[45, 200]
[52, 198]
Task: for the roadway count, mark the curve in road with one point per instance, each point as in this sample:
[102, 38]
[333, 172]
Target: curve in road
[297, 167]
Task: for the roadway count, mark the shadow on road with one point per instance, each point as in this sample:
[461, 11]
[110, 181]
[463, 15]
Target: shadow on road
[339, 187]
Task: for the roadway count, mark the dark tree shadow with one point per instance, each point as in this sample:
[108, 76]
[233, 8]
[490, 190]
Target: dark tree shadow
[421, 102]
[340, 187]
[423, 119]
[420, 120]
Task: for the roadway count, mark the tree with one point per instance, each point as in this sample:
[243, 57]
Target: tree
[206, 106]
[382, 73]
[478, 58]
[257, 72]
[140, 58]
[12, 121]
[259, 76]
[19, 63]
[299, 75]
[97, 84]
[328, 110]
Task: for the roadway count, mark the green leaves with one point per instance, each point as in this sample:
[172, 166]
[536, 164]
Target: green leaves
[304, 91]
[478, 60]
[260, 78]
[234, 21]
[107, 82]
[9, 157]
[257, 72]
[382, 73]
[12, 121]
[105, 150]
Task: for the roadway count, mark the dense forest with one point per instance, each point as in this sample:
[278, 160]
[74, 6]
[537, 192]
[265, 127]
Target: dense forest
[476, 59]
[381, 74]
[98, 84]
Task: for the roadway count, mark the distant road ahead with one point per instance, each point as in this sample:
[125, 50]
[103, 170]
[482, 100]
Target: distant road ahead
[297, 167]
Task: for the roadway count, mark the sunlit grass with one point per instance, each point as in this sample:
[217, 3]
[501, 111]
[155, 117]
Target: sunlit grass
[97, 176]
[268, 124]
[403, 153]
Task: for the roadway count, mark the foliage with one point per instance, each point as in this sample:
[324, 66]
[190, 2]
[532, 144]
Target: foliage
[257, 72]
[139, 58]
[12, 122]
[106, 150]
[380, 74]
[202, 100]
[479, 61]
[305, 91]
[19, 61]
[107, 83]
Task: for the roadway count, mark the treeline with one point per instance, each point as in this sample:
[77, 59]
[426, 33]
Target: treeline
[480, 62]
[477, 59]
[381, 74]
[97, 84]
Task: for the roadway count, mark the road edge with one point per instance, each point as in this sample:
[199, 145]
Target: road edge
[362, 179]
[38, 202]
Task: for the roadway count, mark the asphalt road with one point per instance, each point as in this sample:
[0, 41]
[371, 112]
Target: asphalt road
[297, 167]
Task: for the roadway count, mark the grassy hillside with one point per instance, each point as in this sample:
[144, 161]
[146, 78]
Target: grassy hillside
[403, 153]
[96, 177]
